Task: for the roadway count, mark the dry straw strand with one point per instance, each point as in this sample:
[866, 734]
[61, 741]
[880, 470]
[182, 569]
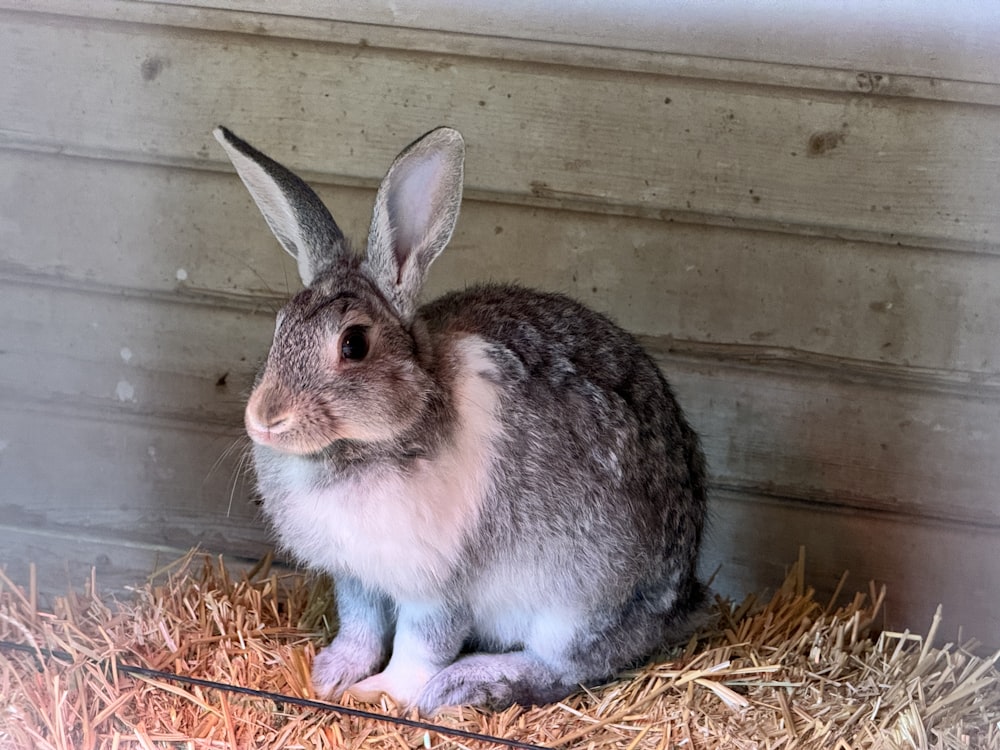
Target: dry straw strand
[771, 672]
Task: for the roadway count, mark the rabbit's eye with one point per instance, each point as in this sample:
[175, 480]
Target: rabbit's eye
[354, 344]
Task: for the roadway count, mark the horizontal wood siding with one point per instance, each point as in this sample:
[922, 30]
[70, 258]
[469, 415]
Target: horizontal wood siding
[792, 430]
[633, 144]
[957, 40]
[135, 226]
[816, 269]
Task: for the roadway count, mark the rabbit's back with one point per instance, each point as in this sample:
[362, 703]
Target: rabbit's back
[598, 480]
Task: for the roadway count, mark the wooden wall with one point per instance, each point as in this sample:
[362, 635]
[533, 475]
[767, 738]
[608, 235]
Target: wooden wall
[813, 254]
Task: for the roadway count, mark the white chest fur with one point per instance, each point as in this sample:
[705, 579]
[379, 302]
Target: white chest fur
[399, 530]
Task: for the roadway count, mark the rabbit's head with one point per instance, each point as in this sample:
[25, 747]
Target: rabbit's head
[347, 362]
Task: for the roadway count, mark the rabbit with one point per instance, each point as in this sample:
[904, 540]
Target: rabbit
[500, 482]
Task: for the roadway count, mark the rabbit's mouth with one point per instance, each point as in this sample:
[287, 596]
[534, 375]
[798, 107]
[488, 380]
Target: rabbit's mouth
[310, 431]
[290, 433]
[272, 420]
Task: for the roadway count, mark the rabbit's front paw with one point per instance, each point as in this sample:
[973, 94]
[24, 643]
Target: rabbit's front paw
[340, 665]
[401, 684]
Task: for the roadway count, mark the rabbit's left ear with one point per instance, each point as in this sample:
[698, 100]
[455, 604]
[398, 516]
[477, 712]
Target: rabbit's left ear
[296, 215]
[415, 213]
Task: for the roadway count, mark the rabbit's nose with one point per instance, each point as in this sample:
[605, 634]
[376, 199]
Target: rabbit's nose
[268, 415]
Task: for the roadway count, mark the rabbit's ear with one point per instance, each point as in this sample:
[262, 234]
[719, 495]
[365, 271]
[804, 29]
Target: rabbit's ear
[415, 213]
[296, 215]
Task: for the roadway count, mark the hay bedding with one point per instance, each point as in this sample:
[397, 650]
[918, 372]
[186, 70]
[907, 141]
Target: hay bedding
[785, 672]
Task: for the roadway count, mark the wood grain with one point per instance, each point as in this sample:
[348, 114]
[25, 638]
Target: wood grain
[813, 261]
[753, 540]
[788, 60]
[196, 234]
[597, 140]
[146, 481]
[750, 545]
[794, 432]
[68, 560]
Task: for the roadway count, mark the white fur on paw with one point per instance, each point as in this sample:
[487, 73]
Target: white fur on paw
[338, 666]
[401, 684]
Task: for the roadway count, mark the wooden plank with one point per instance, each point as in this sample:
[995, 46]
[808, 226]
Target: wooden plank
[750, 544]
[848, 444]
[792, 432]
[142, 356]
[969, 77]
[152, 229]
[145, 482]
[956, 40]
[66, 561]
[753, 540]
[907, 171]
[196, 234]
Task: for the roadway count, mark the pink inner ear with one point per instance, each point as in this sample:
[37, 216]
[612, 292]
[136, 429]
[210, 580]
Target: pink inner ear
[413, 203]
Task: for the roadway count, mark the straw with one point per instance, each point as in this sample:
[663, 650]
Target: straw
[783, 671]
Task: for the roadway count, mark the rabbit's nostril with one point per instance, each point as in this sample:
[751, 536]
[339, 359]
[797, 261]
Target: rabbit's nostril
[268, 423]
[277, 424]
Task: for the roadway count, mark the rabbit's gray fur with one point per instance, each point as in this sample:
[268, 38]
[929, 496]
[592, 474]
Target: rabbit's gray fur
[504, 487]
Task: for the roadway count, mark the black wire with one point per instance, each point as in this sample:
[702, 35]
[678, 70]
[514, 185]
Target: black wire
[279, 698]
